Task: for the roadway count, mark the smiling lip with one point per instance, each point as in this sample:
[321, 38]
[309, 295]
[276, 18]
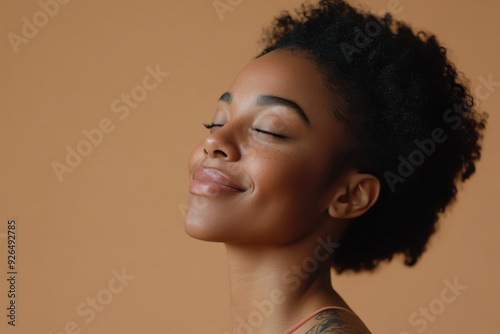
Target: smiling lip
[211, 181]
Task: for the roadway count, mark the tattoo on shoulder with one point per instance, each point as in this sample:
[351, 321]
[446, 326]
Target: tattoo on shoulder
[333, 321]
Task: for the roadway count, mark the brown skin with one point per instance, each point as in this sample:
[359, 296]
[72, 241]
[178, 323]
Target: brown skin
[294, 194]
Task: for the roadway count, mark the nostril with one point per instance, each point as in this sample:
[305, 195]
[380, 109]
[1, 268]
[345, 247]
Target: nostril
[221, 145]
[215, 152]
[222, 152]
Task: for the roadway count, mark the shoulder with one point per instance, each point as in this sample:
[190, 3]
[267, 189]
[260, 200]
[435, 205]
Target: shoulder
[334, 321]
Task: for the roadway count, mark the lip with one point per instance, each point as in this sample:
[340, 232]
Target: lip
[211, 181]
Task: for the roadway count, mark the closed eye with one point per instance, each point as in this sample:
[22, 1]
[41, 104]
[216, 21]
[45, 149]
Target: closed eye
[270, 133]
[276, 135]
[211, 125]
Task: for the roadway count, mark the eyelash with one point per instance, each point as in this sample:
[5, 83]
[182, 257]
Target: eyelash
[211, 125]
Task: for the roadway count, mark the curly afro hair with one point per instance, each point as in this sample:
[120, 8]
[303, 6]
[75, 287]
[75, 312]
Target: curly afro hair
[410, 114]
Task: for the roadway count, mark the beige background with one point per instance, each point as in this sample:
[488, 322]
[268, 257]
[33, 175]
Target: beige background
[122, 206]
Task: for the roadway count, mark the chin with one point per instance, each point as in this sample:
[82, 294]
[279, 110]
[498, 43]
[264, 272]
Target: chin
[205, 223]
[197, 226]
[198, 232]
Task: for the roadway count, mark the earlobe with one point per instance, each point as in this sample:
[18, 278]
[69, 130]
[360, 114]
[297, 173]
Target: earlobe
[357, 195]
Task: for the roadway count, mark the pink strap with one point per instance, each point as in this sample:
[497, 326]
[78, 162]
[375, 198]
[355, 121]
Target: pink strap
[296, 326]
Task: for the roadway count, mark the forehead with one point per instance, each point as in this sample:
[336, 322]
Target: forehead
[289, 74]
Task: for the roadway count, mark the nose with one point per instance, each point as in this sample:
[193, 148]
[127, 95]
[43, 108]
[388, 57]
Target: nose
[222, 144]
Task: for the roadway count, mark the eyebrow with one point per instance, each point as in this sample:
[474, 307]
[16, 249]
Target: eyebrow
[271, 100]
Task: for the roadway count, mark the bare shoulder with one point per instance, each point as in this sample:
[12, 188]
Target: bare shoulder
[334, 321]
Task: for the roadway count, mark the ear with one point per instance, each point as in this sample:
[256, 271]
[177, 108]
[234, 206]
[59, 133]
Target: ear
[354, 196]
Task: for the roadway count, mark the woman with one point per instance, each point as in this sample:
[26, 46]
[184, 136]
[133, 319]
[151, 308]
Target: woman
[337, 147]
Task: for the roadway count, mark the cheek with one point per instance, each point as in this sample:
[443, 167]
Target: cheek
[286, 193]
[284, 173]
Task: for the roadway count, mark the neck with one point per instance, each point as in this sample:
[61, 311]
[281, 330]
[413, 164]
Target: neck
[272, 288]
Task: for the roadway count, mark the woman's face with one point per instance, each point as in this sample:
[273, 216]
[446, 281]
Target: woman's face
[276, 138]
